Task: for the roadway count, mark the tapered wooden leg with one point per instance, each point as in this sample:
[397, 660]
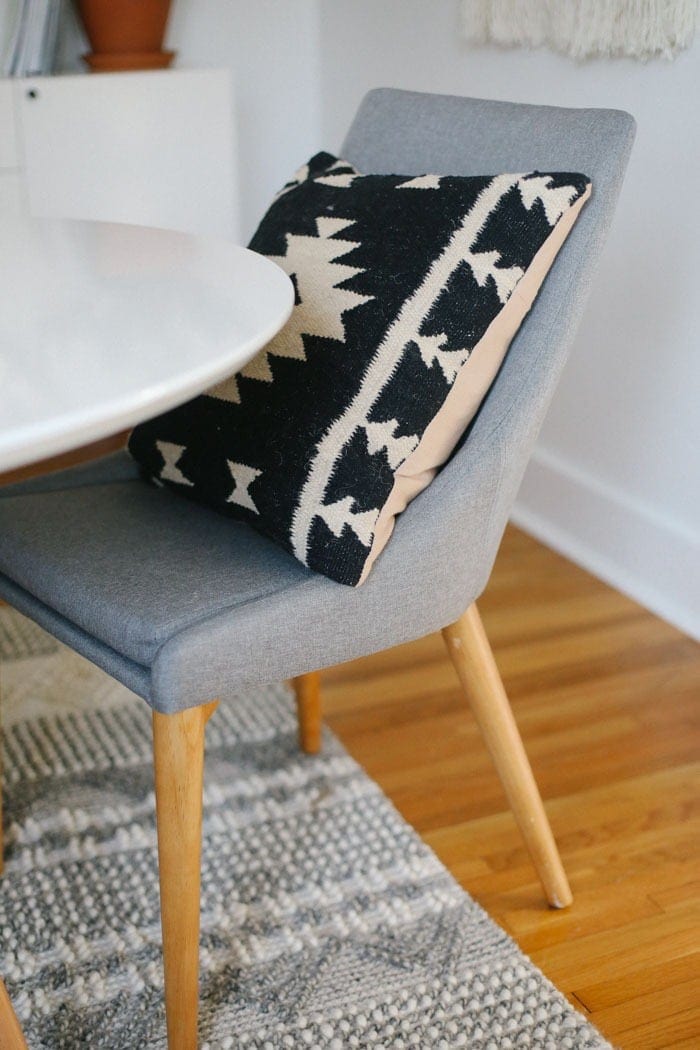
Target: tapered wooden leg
[178, 754]
[11, 1037]
[2, 839]
[308, 692]
[471, 654]
[2, 833]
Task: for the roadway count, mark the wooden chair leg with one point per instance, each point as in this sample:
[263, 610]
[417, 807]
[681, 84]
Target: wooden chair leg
[178, 755]
[471, 654]
[11, 1037]
[308, 692]
[2, 833]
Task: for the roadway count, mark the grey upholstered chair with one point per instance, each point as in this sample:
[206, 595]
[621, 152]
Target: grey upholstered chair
[184, 605]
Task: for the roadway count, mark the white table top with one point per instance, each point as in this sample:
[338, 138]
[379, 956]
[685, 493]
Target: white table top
[104, 325]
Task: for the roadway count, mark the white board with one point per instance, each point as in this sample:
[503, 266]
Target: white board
[154, 148]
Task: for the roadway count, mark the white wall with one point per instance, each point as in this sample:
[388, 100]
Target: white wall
[615, 482]
[272, 49]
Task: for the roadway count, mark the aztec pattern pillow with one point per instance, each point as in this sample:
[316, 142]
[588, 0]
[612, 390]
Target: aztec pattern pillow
[408, 293]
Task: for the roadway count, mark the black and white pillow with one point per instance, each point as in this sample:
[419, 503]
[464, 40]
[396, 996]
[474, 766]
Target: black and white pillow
[408, 293]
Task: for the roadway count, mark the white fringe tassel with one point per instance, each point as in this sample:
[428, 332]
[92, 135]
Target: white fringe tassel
[584, 28]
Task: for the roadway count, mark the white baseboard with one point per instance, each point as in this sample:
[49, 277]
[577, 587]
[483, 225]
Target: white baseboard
[635, 549]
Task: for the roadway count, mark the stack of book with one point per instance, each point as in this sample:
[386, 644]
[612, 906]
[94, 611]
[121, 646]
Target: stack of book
[32, 46]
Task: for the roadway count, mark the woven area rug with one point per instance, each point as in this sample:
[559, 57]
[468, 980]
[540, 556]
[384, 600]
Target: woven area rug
[326, 923]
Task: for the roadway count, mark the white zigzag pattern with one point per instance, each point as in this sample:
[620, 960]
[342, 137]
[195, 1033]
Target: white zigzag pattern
[421, 182]
[484, 265]
[322, 306]
[381, 436]
[555, 200]
[339, 514]
[404, 329]
[342, 181]
[320, 312]
[450, 361]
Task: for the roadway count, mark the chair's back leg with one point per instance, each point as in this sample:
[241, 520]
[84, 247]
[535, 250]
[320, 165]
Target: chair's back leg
[471, 654]
[178, 755]
[308, 692]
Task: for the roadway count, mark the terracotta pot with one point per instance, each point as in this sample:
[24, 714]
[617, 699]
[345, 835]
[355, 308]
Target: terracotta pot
[125, 34]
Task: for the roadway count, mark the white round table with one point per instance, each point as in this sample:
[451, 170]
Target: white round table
[104, 325]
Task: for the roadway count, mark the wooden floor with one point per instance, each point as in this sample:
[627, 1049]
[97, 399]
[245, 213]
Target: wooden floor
[606, 696]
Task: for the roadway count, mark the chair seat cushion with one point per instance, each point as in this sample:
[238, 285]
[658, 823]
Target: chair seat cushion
[182, 604]
[132, 565]
[408, 293]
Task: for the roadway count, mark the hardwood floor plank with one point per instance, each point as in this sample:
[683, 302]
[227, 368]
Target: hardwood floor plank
[664, 1033]
[677, 896]
[593, 914]
[634, 983]
[650, 1007]
[606, 956]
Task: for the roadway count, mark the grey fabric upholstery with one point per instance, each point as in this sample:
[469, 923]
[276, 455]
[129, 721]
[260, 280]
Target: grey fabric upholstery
[183, 605]
[133, 566]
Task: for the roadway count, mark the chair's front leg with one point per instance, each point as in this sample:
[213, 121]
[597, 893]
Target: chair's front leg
[471, 654]
[178, 756]
[2, 833]
[11, 1037]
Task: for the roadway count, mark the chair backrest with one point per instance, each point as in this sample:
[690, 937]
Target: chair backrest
[450, 534]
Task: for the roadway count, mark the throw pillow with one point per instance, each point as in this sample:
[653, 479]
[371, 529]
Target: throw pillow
[409, 290]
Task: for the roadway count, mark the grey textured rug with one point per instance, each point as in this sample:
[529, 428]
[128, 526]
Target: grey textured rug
[326, 922]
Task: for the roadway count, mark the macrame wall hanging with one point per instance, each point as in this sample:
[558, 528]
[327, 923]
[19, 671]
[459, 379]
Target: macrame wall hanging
[584, 28]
